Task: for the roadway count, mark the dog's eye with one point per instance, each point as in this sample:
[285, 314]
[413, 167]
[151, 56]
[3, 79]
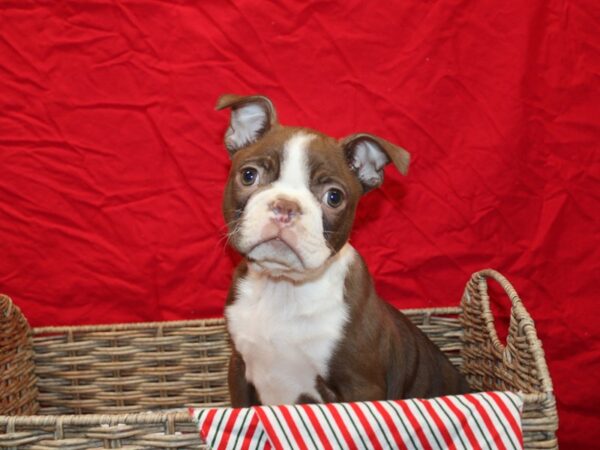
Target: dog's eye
[249, 176]
[334, 198]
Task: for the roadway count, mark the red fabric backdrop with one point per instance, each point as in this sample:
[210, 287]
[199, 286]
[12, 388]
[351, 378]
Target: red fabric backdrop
[112, 165]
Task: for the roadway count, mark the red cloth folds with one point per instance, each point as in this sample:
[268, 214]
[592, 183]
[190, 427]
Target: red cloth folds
[112, 164]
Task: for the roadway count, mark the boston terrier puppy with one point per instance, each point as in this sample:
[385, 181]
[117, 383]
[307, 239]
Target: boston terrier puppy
[305, 322]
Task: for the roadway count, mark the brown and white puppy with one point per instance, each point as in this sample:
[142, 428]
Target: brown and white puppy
[305, 322]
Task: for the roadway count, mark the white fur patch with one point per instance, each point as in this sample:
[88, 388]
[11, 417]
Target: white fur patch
[246, 122]
[310, 249]
[294, 170]
[286, 331]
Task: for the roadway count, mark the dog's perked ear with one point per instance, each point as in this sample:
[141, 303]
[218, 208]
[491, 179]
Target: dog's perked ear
[251, 117]
[368, 155]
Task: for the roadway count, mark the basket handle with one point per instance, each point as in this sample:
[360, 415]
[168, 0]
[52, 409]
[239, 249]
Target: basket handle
[521, 324]
[518, 315]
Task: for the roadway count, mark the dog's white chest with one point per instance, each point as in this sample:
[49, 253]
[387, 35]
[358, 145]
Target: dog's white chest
[286, 332]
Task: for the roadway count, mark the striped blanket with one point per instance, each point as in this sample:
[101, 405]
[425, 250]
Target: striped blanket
[489, 420]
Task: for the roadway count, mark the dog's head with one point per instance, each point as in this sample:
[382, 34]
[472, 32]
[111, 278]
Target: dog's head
[292, 192]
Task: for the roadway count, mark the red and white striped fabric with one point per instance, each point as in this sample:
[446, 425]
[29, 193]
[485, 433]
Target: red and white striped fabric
[488, 420]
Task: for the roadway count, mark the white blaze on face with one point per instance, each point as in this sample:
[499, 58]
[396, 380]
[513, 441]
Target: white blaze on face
[294, 173]
[300, 247]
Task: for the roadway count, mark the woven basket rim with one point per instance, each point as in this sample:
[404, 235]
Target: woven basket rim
[194, 322]
[151, 417]
[127, 325]
[143, 417]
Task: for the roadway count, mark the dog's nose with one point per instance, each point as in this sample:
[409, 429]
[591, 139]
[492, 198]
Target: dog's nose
[285, 211]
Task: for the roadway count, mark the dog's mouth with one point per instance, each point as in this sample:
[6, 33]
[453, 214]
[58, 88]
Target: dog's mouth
[275, 254]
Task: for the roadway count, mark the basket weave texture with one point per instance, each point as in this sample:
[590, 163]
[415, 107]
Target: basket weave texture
[109, 386]
[18, 392]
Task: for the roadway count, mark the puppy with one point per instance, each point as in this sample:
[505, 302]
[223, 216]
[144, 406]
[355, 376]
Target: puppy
[305, 322]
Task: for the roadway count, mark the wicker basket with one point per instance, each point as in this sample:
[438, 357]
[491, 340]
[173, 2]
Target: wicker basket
[104, 386]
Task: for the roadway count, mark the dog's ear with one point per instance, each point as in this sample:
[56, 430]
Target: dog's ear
[251, 117]
[368, 155]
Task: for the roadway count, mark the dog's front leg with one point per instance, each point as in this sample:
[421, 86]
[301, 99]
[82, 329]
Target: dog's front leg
[327, 394]
[242, 393]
